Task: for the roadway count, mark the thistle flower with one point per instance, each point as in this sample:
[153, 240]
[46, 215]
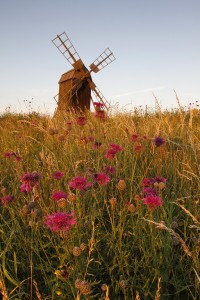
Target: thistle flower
[79, 183]
[57, 175]
[109, 170]
[57, 195]
[7, 200]
[152, 201]
[101, 178]
[134, 137]
[100, 114]
[60, 221]
[110, 154]
[76, 251]
[158, 141]
[81, 121]
[116, 147]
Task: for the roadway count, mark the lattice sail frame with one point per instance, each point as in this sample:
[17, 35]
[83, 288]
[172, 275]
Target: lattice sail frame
[65, 46]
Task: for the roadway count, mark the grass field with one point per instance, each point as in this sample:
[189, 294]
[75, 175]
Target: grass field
[100, 208]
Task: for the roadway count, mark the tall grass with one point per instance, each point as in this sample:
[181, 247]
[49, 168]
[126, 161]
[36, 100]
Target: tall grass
[119, 248]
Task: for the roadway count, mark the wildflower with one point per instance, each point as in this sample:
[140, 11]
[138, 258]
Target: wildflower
[76, 251]
[110, 154]
[134, 137]
[138, 148]
[29, 181]
[102, 178]
[158, 141]
[12, 154]
[83, 246]
[6, 200]
[79, 183]
[60, 221]
[109, 170]
[150, 191]
[97, 145]
[81, 121]
[116, 147]
[113, 201]
[100, 114]
[98, 106]
[57, 195]
[85, 288]
[58, 175]
[152, 201]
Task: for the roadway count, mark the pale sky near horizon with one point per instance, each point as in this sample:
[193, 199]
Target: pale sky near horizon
[156, 44]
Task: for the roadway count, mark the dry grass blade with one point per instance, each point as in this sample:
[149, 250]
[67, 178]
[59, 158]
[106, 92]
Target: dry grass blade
[137, 296]
[157, 297]
[188, 213]
[3, 290]
[107, 293]
[196, 275]
[37, 290]
[162, 226]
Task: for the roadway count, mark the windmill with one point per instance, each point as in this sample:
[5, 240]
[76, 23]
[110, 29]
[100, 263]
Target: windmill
[75, 86]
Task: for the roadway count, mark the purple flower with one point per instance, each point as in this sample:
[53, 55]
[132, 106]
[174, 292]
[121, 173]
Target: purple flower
[60, 221]
[101, 178]
[58, 175]
[158, 141]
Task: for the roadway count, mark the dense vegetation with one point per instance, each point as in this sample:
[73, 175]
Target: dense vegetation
[96, 207]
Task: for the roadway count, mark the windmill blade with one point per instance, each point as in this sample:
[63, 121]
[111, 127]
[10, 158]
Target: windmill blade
[98, 94]
[104, 59]
[65, 46]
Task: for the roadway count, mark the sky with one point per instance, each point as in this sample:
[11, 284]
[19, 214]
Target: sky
[156, 44]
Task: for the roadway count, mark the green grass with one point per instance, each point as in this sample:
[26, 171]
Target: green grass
[127, 250]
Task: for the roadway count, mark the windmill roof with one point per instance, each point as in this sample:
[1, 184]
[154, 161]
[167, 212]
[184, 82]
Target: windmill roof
[70, 75]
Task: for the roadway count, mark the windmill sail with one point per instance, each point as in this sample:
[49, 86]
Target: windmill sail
[103, 60]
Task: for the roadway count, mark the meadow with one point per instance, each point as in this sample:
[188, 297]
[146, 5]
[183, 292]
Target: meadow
[100, 207]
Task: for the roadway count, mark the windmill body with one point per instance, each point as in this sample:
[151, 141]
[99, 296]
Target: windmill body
[76, 85]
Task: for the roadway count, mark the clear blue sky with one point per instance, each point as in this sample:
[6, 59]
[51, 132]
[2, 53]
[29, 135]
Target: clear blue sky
[156, 44]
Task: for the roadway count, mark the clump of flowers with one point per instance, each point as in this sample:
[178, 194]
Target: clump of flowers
[29, 181]
[7, 200]
[81, 121]
[57, 195]
[60, 221]
[102, 178]
[79, 183]
[15, 155]
[113, 150]
[158, 141]
[152, 201]
[57, 175]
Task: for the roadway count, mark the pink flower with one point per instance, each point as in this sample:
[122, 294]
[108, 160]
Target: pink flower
[138, 148]
[100, 114]
[116, 147]
[98, 105]
[110, 154]
[81, 121]
[101, 178]
[29, 181]
[25, 188]
[150, 191]
[57, 195]
[134, 137]
[58, 175]
[109, 170]
[12, 154]
[68, 125]
[79, 183]
[152, 201]
[6, 200]
[60, 221]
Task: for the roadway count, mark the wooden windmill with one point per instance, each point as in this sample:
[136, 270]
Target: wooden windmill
[75, 86]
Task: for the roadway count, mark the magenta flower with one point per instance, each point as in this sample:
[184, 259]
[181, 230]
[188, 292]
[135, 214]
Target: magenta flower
[152, 201]
[60, 221]
[150, 191]
[101, 178]
[100, 114]
[12, 154]
[98, 105]
[79, 183]
[116, 147]
[81, 121]
[110, 154]
[29, 181]
[158, 141]
[6, 200]
[57, 195]
[58, 175]
[109, 170]
[134, 137]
